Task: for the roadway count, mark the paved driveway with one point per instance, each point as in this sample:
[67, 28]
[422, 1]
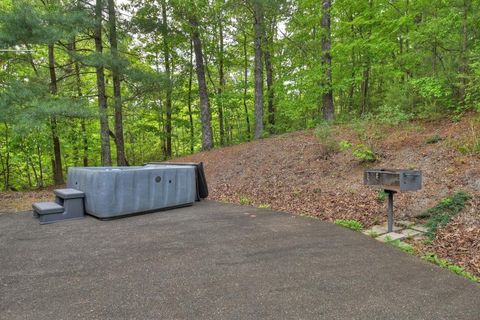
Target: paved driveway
[217, 261]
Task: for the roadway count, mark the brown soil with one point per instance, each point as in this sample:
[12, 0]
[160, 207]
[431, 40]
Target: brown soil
[293, 173]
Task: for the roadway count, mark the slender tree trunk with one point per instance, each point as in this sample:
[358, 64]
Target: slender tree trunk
[190, 115]
[245, 84]
[117, 93]
[102, 97]
[258, 30]
[351, 90]
[40, 165]
[267, 54]
[207, 137]
[464, 56]
[161, 121]
[221, 76]
[327, 97]
[6, 181]
[57, 155]
[78, 85]
[31, 164]
[168, 101]
[365, 82]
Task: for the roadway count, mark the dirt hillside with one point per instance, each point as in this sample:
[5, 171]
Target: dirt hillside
[292, 173]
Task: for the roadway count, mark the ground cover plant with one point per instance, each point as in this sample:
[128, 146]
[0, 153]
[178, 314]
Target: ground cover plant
[444, 211]
[350, 224]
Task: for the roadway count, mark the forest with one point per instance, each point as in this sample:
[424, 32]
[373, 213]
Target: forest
[105, 82]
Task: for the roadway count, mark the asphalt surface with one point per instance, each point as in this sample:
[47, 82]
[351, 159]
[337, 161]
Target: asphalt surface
[217, 261]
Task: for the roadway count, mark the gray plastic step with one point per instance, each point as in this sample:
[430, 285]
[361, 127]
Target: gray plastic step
[69, 193]
[43, 208]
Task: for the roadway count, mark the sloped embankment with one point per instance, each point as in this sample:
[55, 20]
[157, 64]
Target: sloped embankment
[291, 173]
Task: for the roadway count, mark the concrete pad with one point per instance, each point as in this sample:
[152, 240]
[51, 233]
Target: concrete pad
[410, 233]
[381, 229]
[419, 227]
[403, 223]
[391, 237]
[212, 261]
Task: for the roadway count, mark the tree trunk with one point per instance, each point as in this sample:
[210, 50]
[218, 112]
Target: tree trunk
[258, 27]
[351, 90]
[221, 76]
[464, 57]
[78, 84]
[207, 139]
[190, 115]
[117, 93]
[40, 165]
[365, 81]
[168, 101]
[102, 97]
[6, 180]
[327, 97]
[245, 84]
[57, 155]
[270, 93]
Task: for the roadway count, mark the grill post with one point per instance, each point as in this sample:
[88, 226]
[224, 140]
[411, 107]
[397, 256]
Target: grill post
[393, 181]
[390, 208]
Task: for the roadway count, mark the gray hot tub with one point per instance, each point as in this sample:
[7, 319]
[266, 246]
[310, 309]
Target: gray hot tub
[118, 191]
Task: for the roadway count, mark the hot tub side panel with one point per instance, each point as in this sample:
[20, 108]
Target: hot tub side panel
[116, 192]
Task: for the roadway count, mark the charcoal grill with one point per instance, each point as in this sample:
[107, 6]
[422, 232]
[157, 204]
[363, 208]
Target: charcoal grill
[393, 181]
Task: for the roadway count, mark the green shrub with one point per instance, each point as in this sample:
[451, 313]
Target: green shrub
[392, 115]
[264, 206]
[434, 139]
[443, 212]
[345, 145]
[350, 224]
[364, 153]
[245, 200]
[323, 133]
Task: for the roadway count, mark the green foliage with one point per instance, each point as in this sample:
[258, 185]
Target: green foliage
[364, 153]
[381, 196]
[323, 131]
[244, 200]
[330, 146]
[373, 234]
[442, 213]
[405, 247]
[350, 224]
[433, 258]
[345, 145]
[392, 115]
[434, 139]
[264, 206]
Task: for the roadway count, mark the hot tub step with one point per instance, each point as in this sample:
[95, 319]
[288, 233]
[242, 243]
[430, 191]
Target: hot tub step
[44, 208]
[50, 212]
[69, 193]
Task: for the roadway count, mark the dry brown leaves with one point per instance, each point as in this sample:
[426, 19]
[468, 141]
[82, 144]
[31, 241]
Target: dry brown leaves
[459, 241]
